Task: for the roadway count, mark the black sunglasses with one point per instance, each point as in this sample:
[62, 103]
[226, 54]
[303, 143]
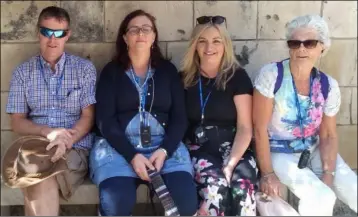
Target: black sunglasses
[135, 30]
[59, 33]
[211, 19]
[295, 44]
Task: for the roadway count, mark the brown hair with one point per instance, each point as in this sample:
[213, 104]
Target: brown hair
[54, 12]
[121, 46]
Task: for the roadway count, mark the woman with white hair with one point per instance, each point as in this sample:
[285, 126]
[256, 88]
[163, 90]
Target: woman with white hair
[219, 107]
[294, 115]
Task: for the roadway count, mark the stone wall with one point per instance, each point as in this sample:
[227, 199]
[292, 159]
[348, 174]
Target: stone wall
[257, 29]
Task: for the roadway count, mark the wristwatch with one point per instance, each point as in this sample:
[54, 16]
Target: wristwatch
[329, 172]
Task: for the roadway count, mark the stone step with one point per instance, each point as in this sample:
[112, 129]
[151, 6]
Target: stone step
[87, 193]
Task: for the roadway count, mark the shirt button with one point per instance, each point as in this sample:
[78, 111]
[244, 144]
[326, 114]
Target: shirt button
[52, 119]
[163, 124]
[53, 107]
[155, 115]
[53, 79]
[53, 92]
[148, 94]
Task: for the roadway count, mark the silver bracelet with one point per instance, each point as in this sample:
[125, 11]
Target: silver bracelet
[268, 174]
[329, 172]
[165, 152]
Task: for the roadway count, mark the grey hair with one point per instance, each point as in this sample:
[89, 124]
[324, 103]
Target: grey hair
[315, 22]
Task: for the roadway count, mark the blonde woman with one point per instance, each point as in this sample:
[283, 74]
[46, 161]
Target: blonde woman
[219, 103]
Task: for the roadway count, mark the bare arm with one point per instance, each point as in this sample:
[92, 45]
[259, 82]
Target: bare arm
[243, 135]
[262, 111]
[84, 124]
[58, 136]
[328, 143]
[23, 126]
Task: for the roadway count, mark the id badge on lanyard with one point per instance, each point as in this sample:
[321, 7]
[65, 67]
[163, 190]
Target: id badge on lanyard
[200, 132]
[145, 131]
[305, 155]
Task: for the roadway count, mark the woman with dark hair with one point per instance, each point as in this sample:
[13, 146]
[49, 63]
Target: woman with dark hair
[140, 115]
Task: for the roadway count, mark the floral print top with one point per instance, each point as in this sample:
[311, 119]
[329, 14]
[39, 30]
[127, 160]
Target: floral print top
[284, 128]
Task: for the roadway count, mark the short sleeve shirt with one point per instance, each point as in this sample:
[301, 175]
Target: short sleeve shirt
[283, 126]
[220, 109]
[54, 98]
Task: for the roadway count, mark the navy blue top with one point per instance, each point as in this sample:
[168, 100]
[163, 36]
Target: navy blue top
[118, 101]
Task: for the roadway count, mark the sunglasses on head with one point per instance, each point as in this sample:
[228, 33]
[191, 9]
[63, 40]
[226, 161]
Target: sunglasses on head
[60, 33]
[295, 44]
[211, 19]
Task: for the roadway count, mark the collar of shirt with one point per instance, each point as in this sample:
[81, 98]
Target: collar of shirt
[150, 74]
[58, 66]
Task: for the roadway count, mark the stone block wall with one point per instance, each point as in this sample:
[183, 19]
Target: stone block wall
[257, 28]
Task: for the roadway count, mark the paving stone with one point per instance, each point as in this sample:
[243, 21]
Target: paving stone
[274, 15]
[344, 114]
[341, 17]
[340, 62]
[19, 18]
[12, 56]
[87, 20]
[347, 137]
[5, 118]
[241, 16]
[173, 18]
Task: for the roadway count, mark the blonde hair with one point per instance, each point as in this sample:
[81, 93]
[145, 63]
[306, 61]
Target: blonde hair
[191, 61]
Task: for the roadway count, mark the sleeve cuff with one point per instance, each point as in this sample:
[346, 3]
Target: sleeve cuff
[12, 110]
[264, 92]
[88, 101]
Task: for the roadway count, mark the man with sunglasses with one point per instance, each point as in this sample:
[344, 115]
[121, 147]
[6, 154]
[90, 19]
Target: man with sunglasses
[52, 95]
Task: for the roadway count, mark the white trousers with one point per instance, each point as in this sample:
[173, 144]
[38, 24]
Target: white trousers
[316, 198]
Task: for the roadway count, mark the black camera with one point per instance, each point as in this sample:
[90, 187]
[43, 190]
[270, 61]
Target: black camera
[145, 135]
[304, 158]
[200, 135]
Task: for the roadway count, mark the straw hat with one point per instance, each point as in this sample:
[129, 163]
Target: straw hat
[27, 162]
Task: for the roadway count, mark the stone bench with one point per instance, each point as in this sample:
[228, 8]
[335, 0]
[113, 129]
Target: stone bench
[86, 194]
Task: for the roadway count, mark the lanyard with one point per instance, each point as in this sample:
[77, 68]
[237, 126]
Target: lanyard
[59, 81]
[203, 102]
[142, 92]
[299, 115]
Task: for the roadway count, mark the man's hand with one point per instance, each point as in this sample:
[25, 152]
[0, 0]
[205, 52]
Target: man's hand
[75, 137]
[65, 136]
[140, 165]
[158, 158]
[60, 151]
